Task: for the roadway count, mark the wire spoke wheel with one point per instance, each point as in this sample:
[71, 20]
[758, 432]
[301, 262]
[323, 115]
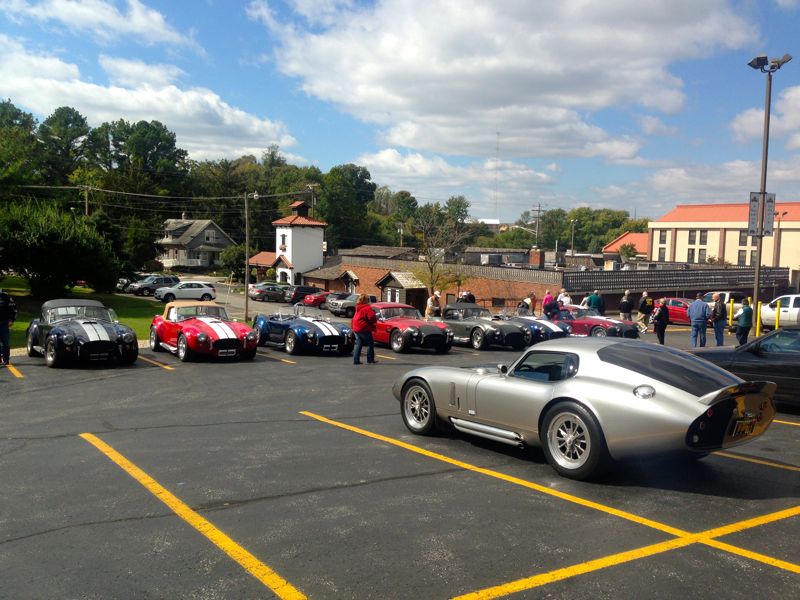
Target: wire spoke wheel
[569, 440]
[419, 410]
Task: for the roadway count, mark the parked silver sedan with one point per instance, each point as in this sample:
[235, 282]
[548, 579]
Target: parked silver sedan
[589, 401]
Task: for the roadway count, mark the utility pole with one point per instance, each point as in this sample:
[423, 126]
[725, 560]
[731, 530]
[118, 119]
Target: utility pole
[247, 252]
[86, 201]
[538, 217]
[401, 234]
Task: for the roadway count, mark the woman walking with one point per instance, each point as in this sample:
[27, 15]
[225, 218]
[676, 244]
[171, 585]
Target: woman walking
[661, 319]
[364, 321]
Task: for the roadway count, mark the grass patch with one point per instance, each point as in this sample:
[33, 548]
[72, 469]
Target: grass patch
[136, 313]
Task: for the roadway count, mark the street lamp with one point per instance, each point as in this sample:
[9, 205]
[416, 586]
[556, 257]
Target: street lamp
[254, 196]
[572, 241]
[768, 66]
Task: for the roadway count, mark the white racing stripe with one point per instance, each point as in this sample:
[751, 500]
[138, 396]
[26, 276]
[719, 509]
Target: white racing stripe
[94, 331]
[326, 327]
[221, 328]
[548, 325]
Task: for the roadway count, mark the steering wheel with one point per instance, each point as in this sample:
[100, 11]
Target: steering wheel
[525, 369]
[771, 347]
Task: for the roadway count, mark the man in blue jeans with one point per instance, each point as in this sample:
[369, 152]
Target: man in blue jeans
[699, 313]
[8, 313]
[719, 319]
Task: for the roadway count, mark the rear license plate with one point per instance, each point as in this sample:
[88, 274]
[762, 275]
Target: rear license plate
[744, 426]
[226, 353]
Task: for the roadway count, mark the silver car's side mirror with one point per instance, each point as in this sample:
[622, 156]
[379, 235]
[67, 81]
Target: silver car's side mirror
[502, 369]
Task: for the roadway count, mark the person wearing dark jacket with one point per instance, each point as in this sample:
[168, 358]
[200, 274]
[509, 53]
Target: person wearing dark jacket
[626, 306]
[8, 314]
[646, 307]
[719, 317]
[744, 323]
[660, 319]
[364, 323]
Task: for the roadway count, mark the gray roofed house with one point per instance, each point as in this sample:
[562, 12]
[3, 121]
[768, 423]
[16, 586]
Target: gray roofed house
[393, 252]
[192, 243]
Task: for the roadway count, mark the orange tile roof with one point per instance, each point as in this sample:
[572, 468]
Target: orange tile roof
[704, 213]
[640, 241]
[282, 259]
[263, 258]
[299, 221]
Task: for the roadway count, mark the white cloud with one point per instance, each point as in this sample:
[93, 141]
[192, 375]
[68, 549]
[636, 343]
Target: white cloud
[101, 19]
[204, 124]
[133, 73]
[654, 126]
[447, 82]
[748, 126]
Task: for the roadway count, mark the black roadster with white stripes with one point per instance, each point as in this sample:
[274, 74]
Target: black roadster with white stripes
[74, 330]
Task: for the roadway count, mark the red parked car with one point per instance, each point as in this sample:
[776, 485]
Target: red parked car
[402, 327]
[677, 308]
[191, 329]
[588, 322]
[317, 300]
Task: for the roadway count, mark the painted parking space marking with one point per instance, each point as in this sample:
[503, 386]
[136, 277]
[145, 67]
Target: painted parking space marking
[757, 461]
[704, 537]
[786, 422]
[386, 357]
[284, 360]
[14, 371]
[279, 586]
[683, 538]
[156, 363]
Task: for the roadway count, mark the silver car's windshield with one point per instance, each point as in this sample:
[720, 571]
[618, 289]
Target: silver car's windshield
[673, 367]
[100, 313]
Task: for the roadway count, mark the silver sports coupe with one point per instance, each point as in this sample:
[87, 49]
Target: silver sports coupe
[589, 401]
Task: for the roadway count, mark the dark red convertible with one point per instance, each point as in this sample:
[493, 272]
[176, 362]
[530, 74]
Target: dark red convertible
[402, 327]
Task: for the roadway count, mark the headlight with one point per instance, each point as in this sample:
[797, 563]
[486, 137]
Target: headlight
[490, 329]
[69, 339]
[202, 338]
[310, 334]
[569, 329]
[448, 332]
[251, 335]
[128, 337]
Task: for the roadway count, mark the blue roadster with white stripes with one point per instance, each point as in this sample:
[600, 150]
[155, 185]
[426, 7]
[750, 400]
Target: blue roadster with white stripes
[298, 332]
[542, 329]
[73, 330]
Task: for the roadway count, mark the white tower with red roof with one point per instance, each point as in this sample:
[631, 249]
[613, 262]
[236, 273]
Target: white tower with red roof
[298, 244]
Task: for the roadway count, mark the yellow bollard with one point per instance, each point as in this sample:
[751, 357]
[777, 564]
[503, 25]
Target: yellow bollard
[778, 315]
[730, 317]
[758, 319]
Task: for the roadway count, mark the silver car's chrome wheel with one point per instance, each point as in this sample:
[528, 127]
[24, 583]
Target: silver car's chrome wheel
[569, 440]
[419, 410]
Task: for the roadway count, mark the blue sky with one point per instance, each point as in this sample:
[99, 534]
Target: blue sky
[620, 104]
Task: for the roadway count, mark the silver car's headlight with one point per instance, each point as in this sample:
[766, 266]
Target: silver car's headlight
[69, 339]
[128, 337]
[645, 392]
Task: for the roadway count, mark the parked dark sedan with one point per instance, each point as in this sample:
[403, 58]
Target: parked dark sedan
[773, 357]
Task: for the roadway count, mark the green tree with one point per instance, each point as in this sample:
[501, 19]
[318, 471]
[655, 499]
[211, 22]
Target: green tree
[628, 250]
[346, 191]
[62, 136]
[440, 234]
[20, 162]
[52, 249]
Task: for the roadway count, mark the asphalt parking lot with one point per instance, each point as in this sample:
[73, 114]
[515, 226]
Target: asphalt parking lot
[293, 476]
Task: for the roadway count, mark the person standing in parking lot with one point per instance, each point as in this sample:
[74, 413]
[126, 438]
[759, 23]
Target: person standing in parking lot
[660, 320]
[719, 318]
[364, 323]
[626, 306]
[645, 310]
[744, 321]
[8, 314]
[698, 313]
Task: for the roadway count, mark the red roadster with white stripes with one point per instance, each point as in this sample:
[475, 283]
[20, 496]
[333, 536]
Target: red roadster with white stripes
[191, 329]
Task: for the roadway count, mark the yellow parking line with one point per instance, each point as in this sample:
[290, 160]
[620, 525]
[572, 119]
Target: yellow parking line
[704, 537]
[786, 422]
[757, 461]
[502, 476]
[156, 363]
[683, 537]
[279, 586]
[386, 357]
[15, 372]
[285, 360]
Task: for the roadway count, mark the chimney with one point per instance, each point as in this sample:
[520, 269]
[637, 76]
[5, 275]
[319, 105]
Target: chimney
[536, 257]
[299, 209]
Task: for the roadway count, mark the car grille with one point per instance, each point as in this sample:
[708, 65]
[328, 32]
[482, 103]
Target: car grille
[432, 340]
[514, 339]
[555, 335]
[227, 344]
[101, 350]
[631, 332]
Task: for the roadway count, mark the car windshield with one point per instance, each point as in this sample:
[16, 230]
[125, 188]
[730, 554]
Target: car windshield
[190, 312]
[148, 279]
[689, 373]
[399, 311]
[783, 340]
[471, 313]
[582, 313]
[100, 313]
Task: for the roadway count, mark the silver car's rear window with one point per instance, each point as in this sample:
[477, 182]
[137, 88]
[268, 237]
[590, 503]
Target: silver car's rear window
[673, 367]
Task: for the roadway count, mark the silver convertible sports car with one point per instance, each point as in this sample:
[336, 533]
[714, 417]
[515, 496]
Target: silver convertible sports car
[588, 401]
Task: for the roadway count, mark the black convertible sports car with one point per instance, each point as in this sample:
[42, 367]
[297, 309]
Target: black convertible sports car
[774, 357]
[73, 330]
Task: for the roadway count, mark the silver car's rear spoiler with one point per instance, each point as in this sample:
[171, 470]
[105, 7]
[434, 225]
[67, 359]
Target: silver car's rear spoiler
[767, 388]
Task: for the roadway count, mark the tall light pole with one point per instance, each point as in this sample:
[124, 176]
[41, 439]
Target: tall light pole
[254, 196]
[311, 187]
[768, 66]
[572, 240]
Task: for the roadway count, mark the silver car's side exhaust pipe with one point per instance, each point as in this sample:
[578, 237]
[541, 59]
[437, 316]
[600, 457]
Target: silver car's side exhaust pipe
[488, 432]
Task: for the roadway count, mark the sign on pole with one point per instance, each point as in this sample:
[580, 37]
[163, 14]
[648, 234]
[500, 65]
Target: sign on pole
[769, 214]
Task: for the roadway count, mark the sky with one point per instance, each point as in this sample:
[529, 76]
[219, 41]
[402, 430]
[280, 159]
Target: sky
[633, 105]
